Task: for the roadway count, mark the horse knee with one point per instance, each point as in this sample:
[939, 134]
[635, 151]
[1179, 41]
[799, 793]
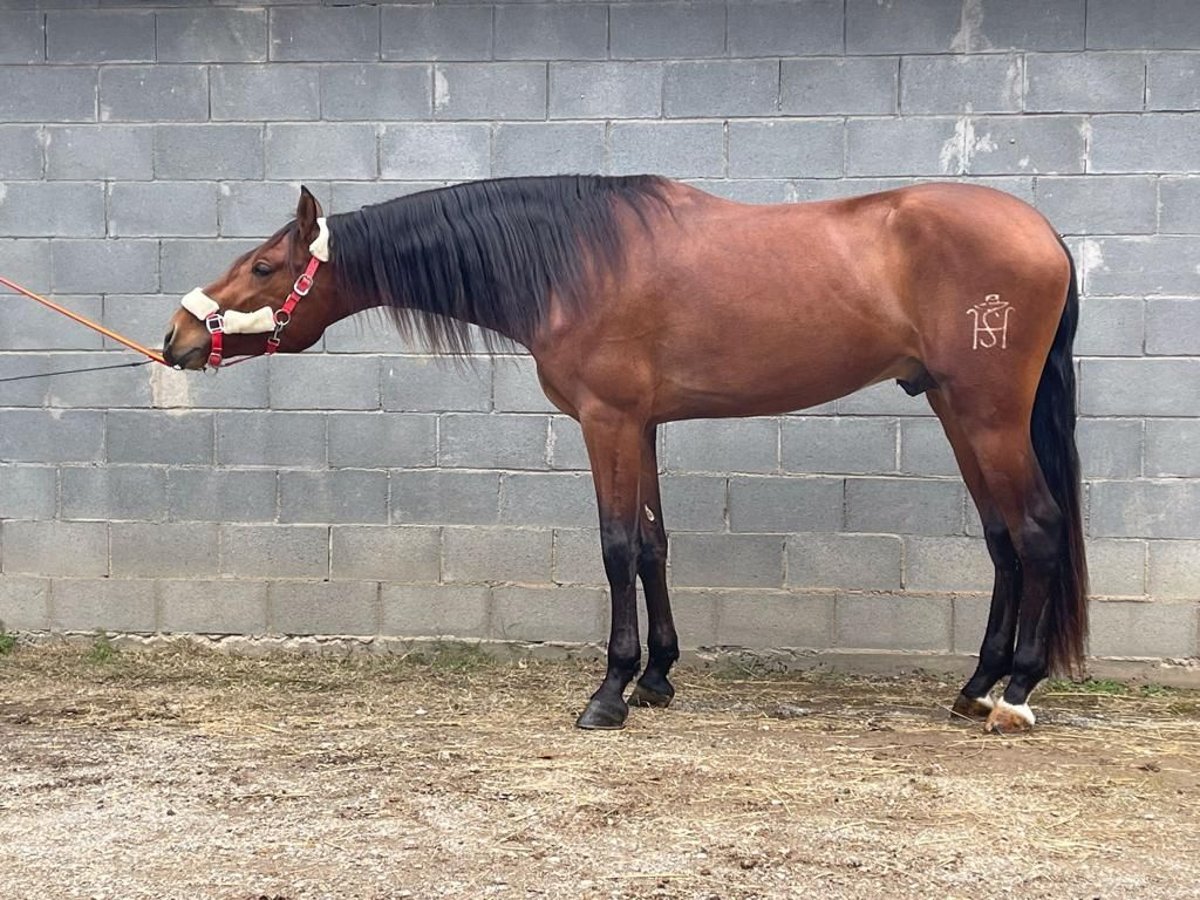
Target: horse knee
[1040, 540]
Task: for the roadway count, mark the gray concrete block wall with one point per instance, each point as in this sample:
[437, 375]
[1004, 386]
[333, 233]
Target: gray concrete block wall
[367, 488]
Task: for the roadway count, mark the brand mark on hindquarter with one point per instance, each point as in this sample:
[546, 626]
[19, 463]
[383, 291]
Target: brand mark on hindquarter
[991, 323]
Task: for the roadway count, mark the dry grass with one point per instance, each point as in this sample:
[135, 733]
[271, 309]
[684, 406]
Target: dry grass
[187, 773]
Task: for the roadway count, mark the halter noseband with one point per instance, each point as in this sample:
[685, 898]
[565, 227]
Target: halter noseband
[263, 320]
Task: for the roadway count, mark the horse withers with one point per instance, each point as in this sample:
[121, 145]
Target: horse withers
[643, 301]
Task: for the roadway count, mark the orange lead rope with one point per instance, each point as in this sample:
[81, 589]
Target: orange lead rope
[132, 345]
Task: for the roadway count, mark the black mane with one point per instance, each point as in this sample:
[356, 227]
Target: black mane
[485, 252]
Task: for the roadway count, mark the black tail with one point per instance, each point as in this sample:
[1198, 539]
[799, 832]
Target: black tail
[1053, 432]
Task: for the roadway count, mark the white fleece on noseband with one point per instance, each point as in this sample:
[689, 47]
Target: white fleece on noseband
[200, 305]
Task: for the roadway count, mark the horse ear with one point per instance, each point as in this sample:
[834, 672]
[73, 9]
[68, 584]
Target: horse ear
[308, 210]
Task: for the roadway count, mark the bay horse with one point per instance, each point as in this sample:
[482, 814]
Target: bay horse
[644, 300]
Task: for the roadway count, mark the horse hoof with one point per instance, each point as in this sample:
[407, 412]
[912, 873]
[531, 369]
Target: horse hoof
[644, 696]
[972, 707]
[1008, 718]
[603, 715]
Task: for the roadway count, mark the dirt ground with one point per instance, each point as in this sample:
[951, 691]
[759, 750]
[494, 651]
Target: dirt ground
[192, 774]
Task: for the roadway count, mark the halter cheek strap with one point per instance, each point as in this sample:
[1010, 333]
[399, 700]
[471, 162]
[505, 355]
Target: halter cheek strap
[263, 320]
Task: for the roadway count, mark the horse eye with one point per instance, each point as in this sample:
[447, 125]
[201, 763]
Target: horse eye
[262, 269]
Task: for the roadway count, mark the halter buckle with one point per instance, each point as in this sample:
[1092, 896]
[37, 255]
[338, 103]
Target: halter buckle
[303, 285]
[214, 322]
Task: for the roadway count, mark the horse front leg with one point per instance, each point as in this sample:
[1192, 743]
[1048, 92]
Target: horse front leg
[653, 688]
[614, 448]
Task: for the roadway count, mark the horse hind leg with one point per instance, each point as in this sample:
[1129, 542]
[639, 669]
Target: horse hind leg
[996, 651]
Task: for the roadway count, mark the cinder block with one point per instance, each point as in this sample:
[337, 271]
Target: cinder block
[379, 439]
[1116, 568]
[1085, 82]
[27, 261]
[722, 445]
[141, 436]
[550, 499]
[1175, 569]
[904, 505]
[693, 502]
[37, 548]
[838, 446]
[785, 504]
[324, 382]
[385, 553]
[886, 399]
[376, 92]
[445, 498]
[606, 90]
[24, 603]
[443, 611]
[942, 26]
[1179, 205]
[1006, 144]
[493, 441]
[1099, 204]
[1110, 448]
[1171, 326]
[28, 492]
[748, 190]
[1139, 629]
[211, 35]
[93, 35]
[258, 208]
[566, 31]
[834, 86]
[331, 607]
[47, 94]
[773, 620]
[20, 152]
[321, 151]
[221, 495]
[103, 604]
[52, 209]
[1155, 142]
[271, 439]
[516, 388]
[243, 388]
[1173, 447]
[695, 613]
[152, 209]
[727, 560]
[1152, 24]
[721, 88]
[961, 83]
[126, 387]
[674, 149]
[522, 613]
[51, 436]
[859, 562]
[22, 38]
[437, 32]
[208, 151]
[1154, 509]
[114, 492]
[567, 449]
[1172, 82]
[1142, 265]
[970, 621]
[947, 564]
[497, 555]
[508, 90]
[164, 550]
[86, 152]
[1118, 387]
[32, 327]
[758, 149]
[547, 148]
[275, 551]
[924, 146]
[338, 495]
[924, 449]
[188, 262]
[431, 384]
[893, 622]
[317, 34]
[577, 556]
[153, 94]
[266, 92]
[786, 29]
[213, 607]
[666, 30]
[435, 151]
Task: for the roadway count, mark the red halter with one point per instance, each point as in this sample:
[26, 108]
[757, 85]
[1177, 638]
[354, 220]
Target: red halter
[215, 323]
